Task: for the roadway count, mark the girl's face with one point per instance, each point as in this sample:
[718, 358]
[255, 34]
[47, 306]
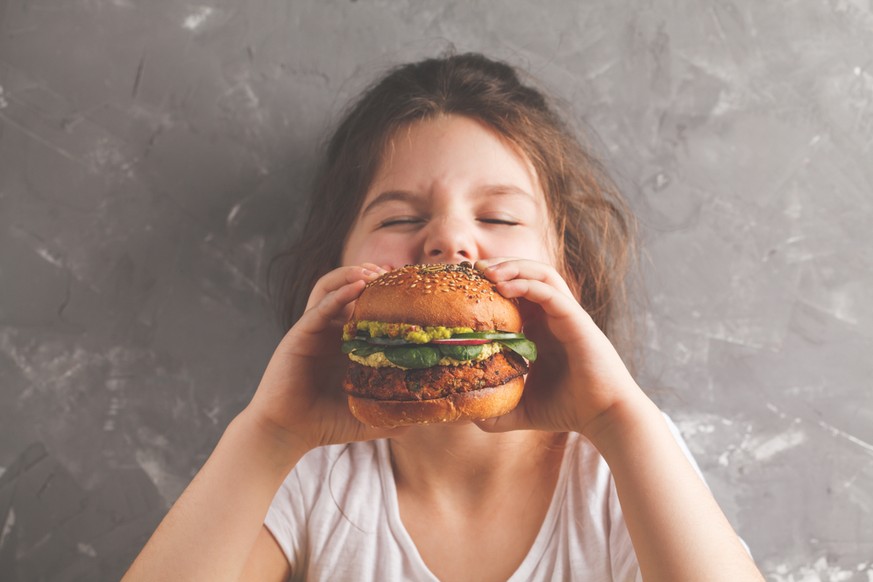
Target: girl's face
[448, 190]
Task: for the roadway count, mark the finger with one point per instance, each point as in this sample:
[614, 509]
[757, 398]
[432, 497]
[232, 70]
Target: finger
[498, 270]
[380, 269]
[342, 276]
[553, 301]
[515, 419]
[367, 433]
[320, 316]
[483, 264]
[567, 320]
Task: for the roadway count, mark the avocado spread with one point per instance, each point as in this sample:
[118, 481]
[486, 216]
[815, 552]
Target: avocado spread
[409, 332]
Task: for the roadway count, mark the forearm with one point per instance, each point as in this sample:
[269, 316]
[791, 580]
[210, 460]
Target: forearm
[677, 529]
[211, 529]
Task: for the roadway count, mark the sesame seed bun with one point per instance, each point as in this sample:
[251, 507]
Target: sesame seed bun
[437, 295]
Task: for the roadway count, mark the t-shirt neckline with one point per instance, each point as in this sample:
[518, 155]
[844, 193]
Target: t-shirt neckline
[537, 549]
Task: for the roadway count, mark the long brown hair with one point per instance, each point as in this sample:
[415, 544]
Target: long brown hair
[596, 231]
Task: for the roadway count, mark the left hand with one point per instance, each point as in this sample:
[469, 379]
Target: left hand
[578, 375]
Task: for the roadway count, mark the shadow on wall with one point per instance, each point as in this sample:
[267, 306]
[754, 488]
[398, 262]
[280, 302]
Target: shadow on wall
[51, 528]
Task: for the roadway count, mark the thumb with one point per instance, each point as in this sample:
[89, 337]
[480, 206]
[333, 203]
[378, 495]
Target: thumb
[515, 419]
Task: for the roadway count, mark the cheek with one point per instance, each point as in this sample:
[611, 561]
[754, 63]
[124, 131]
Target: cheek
[378, 249]
[551, 247]
[532, 244]
[554, 246]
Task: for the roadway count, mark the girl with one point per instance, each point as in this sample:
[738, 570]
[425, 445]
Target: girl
[450, 160]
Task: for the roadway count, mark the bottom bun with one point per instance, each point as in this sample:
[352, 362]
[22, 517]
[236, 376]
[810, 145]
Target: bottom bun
[475, 405]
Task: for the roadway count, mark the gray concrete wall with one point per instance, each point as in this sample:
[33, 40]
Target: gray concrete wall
[152, 156]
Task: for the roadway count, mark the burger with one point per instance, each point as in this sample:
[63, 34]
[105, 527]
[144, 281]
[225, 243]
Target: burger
[434, 343]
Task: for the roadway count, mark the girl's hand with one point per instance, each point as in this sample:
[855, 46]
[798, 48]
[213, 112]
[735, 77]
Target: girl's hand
[578, 375]
[300, 399]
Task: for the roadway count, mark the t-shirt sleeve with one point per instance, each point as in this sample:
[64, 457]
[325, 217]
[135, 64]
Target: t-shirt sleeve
[287, 516]
[625, 567]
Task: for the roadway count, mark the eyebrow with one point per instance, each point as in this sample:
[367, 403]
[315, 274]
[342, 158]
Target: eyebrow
[386, 197]
[406, 196]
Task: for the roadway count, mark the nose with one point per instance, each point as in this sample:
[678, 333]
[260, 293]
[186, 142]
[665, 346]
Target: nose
[448, 240]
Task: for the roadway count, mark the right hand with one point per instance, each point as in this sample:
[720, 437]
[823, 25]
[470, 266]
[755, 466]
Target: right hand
[579, 377]
[300, 399]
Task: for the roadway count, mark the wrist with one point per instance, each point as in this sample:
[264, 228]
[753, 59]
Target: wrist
[277, 447]
[621, 423]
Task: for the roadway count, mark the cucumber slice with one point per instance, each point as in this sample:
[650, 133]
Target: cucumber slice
[388, 341]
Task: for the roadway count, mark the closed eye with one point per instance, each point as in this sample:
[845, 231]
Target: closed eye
[501, 221]
[400, 221]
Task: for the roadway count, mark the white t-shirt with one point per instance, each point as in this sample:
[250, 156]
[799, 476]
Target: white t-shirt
[336, 518]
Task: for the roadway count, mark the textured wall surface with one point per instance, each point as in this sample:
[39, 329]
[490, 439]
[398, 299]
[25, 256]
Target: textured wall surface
[153, 155]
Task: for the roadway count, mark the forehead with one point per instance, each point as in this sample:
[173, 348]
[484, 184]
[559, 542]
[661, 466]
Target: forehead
[453, 149]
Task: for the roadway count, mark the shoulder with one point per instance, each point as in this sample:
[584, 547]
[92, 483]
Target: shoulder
[586, 477]
[330, 481]
[587, 515]
[325, 458]
[336, 464]
[334, 493]
[584, 462]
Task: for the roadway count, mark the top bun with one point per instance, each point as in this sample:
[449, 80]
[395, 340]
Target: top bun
[437, 295]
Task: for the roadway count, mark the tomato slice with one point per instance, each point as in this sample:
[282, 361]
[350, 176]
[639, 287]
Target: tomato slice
[460, 341]
[489, 335]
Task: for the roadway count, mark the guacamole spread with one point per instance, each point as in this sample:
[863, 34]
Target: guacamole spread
[409, 332]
